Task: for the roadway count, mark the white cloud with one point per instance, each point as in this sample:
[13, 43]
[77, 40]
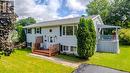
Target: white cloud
[28, 8]
[45, 12]
[77, 5]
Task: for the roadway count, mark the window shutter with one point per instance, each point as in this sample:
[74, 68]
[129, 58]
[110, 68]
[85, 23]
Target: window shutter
[40, 30]
[35, 30]
[60, 30]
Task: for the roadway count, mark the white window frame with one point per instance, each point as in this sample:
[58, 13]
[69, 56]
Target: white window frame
[38, 30]
[63, 47]
[73, 29]
[29, 44]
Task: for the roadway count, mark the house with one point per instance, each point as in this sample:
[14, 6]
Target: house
[63, 32]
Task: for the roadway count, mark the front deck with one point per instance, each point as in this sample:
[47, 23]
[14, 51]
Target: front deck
[51, 51]
[45, 52]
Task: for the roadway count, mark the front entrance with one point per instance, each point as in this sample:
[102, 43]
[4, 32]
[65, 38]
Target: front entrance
[50, 40]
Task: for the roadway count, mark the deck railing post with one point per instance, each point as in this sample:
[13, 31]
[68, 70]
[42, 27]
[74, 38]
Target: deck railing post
[117, 41]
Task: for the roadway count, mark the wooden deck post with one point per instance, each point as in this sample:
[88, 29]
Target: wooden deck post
[33, 47]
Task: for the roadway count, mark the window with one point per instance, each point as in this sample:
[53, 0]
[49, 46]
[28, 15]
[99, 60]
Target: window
[65, 48]
[75, 30]
[51, 40]
[72, 48]
[37, 30]
[29, 30]
[61, 48]
[69, 30]
[29, 44]
[63, 30]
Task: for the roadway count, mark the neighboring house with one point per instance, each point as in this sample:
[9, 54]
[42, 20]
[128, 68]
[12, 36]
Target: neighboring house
[63, 32]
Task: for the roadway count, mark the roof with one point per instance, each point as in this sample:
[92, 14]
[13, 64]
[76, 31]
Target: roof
[59, 22]
[107, 26]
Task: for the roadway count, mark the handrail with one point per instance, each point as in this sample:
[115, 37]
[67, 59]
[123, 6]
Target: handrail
[108, 37]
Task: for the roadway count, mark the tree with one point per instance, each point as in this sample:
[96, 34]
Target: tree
[19, 27]
[85, 38]
[119, 13]
[93, 36]
[21, 34]
[114, 12]
[100, 7]
[26, 21]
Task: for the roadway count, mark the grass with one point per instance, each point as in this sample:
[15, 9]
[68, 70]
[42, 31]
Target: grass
[21, 62]
[70, 58]
[117, 61]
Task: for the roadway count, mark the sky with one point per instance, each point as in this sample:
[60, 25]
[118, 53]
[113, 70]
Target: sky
[46, 10]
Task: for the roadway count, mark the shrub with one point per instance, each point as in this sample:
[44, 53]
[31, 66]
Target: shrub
[86, 37]
[21, 34]
[124, 36]
[13, 37]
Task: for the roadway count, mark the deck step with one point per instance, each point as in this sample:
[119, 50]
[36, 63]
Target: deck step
[42, 51]
[45, 54]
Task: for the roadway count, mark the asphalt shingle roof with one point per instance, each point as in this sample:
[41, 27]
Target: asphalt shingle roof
[59, 22]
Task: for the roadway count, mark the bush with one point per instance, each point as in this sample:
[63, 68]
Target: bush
[13, 37]
[124, 36]
[21, 33]
[86, 37]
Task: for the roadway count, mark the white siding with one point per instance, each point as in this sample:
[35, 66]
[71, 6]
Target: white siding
[72, 40]
[108, 46]
[68, 40]
[44, 31]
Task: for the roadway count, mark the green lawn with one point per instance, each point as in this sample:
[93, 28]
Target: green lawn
[117, 61]
[21, 62]
[70, 58]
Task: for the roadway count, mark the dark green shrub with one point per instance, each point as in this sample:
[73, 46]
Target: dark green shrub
[21, 34]
[124, 36]
[86, 37]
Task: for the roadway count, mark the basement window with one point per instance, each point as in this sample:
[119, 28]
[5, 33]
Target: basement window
[29, 44]
[72, 48]
[65, 48]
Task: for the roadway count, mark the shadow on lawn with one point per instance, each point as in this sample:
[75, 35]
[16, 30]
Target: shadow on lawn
[71, 58]
[28, 50]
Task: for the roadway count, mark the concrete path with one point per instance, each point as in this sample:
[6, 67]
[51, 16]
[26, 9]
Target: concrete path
[85, 68]
[57, 60]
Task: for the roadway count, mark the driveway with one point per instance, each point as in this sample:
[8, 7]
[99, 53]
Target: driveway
[85, 68]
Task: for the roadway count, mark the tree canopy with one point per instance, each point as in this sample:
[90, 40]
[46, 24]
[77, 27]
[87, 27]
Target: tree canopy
[115, 12]
[19, 27]
[26, 21]
[100, 7]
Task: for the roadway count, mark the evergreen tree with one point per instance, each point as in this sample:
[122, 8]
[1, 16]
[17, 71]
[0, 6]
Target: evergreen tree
[85, 38]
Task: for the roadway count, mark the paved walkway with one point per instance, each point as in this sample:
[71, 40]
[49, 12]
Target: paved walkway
[85, 68]
[57, 60]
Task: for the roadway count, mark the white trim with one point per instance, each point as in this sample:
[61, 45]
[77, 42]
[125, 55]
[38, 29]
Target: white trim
[65, 30]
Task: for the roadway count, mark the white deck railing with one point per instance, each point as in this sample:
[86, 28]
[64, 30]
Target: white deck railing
[108, 43]
[108, 37]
